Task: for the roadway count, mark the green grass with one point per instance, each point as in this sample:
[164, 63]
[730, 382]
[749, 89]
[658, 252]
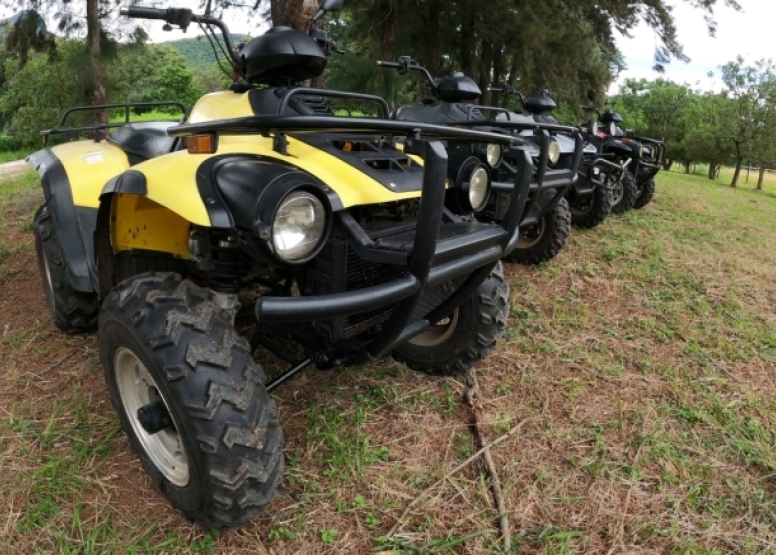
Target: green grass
[644, 357]
[13, 186]
[726, 177]
[13, 155]
[154, 115]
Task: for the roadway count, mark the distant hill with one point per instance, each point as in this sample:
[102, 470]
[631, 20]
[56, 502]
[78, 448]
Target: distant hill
[198, 52]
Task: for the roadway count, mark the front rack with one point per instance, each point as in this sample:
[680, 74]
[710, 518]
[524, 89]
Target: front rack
[277, 126]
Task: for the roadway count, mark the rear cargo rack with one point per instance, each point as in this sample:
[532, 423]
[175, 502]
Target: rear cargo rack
[61, 129]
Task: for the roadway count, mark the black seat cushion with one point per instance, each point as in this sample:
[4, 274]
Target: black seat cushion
[147, 139]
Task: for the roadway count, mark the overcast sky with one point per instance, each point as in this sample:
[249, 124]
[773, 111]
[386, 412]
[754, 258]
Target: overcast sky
[749, 33]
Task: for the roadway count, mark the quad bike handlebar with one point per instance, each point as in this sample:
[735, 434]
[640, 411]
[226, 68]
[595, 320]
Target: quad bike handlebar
[182, 17]
[407, 64]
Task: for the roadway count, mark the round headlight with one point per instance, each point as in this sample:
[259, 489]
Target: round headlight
[554, 153]
[298, 226]
[479, 184]
[493, 155]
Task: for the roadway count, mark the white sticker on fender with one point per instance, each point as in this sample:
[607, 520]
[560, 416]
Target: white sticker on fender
[93, 157]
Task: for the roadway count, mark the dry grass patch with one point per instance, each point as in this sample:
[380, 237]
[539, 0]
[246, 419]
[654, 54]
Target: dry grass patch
[644, 358]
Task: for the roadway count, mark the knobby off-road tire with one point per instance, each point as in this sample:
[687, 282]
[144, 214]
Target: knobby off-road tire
[73, 311]
[645, 194]
[225, 426]
[553, 232]
[591, 211]
[460, 341]
[627, 195]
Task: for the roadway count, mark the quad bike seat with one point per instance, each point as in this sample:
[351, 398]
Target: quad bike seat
[443, 113]
[143, 140]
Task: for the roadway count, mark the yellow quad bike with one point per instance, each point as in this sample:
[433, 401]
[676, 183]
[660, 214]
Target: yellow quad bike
[264, 206]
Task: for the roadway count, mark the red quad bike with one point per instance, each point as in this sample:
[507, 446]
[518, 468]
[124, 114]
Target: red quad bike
[640, 158]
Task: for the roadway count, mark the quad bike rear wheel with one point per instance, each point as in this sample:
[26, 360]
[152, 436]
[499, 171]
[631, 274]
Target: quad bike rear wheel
[73, 311]
[591, 210]
[543, 241]
[645, 193]
[191, 399]
[624, 193]
[458, 342]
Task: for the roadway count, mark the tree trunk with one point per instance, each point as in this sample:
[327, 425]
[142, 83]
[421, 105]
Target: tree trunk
[97, 90]
[485, 68]
[761, 177]
[467, 41]
[297, 14]
[712, 171]
[387, 38]
[511, 82]
[290, 13]
[737, 172]
[432, 37]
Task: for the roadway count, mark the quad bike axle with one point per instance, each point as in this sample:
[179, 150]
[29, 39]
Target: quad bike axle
[154, 417]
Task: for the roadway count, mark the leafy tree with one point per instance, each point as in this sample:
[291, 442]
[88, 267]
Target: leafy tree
[39, 91]
[748, 115]
[704, 141]
[658, 109]
[91, 17]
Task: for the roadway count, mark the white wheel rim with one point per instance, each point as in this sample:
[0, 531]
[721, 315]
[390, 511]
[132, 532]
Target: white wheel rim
[137, 388]
[532, 235]
[618, 193]
[438, 333]
[47, 270]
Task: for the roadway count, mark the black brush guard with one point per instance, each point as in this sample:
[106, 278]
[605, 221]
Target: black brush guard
[436, 252]
[545, 178]
[647, 169]
[586, 172]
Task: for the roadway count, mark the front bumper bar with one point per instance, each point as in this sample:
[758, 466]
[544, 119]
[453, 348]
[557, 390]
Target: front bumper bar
[587, 173]
[544, 177]
[403, 294]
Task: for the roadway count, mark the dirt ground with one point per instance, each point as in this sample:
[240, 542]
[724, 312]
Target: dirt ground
[642, 362]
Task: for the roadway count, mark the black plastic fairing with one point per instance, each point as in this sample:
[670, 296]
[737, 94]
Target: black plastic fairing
[611, 117]
[540, 104]
[75, 225]
[130, 181]
[282, 55]
[231, 186]
[373, 156]
[457, 88]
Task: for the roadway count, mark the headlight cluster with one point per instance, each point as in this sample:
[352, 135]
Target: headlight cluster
[479, 187]
[494, 153]
[471, 186]
[299, 226]
[554, 152]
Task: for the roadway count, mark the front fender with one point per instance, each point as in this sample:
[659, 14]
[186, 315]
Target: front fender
[72, 176]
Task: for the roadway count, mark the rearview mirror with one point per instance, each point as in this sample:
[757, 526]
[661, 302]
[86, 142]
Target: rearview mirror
[327, 6]
[332, 5]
